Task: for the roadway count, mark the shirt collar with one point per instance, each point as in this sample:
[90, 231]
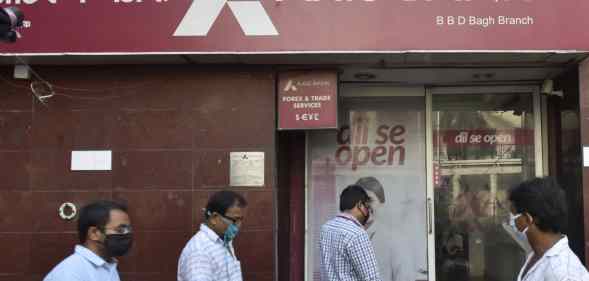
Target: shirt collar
[91, 256]
[557, 248]
[350, 217]
[212, 235]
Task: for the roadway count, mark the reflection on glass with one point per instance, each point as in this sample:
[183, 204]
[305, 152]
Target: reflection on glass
[483, 145]
[381, 147]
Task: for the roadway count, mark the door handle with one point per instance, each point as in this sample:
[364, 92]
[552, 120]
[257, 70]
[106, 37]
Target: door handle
[430, 216]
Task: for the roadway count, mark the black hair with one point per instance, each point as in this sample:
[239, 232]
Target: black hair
[544, 200]
[96, 214]
[351, 196]
[223, 200]
[372, 184]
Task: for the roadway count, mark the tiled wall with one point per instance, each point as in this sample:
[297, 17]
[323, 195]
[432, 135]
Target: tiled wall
[170, 128]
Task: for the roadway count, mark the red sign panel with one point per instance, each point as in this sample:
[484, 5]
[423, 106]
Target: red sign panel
[233, 26]
[307, 100]
[485, 137]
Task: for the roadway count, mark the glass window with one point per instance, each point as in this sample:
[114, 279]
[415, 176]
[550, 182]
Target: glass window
[483, 145]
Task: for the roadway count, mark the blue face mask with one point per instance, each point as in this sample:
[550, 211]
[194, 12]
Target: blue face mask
[230, 232]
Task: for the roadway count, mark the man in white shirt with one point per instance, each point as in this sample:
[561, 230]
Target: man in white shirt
[209, 255]
[538, 216]
[104, 230]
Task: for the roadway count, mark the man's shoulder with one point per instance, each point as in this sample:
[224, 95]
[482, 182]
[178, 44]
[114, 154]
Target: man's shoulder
[70, 268]
[200, 243]
[342, 226]
[567, 266]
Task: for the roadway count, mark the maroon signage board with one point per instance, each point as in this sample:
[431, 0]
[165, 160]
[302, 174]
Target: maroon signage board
[307, 100]
[277, 26]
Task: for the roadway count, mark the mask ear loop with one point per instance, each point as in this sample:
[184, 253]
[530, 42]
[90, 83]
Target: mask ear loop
[531, 222]
[207, 213]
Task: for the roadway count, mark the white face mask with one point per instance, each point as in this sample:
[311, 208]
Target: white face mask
[521, 234]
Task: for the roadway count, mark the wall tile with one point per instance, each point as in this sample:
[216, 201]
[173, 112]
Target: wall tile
[259, 210]
[259, 276]
[16, 210]
[15, 130]
[15, 170]
[170, 128]
[48, 249]
[16, 277]
[246, 101]
[255, 251]
[158, 210]
[92, 130]
[45, 207]
[16, 253]
[153, 169]
[153, 129]
[52, 127]
[212, 170]
[51, 171]
[17, 95]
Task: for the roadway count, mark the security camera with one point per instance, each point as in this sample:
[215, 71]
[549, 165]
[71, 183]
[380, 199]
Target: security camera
[11, 18]
[548, 87]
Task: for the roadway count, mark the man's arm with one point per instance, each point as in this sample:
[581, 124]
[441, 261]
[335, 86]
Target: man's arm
[363, 259]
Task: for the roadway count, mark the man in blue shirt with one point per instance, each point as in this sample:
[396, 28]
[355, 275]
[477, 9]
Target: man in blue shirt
[104, 230]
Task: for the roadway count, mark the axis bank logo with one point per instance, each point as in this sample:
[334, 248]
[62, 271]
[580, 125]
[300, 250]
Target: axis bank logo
[293, 85]
[202, 14]
[290, 86]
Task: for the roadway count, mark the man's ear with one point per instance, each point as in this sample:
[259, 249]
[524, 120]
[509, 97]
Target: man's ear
[94, 234]
[214, 218]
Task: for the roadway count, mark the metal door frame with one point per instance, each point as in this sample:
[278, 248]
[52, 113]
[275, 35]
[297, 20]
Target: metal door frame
[538, 146]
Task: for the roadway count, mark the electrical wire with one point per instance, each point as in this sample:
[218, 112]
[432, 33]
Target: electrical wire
[42, 95]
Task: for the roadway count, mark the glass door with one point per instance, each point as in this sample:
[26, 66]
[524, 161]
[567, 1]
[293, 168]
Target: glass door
[381, 145]
[484, 142]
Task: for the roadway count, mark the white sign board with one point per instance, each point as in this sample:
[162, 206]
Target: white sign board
[247, 169]
[93, 160]
[585, 156]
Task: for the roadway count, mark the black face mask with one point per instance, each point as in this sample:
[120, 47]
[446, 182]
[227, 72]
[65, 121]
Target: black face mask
[118, 245]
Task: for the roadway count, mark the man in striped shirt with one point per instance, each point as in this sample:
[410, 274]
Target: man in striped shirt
[209, 255]
[346, 251]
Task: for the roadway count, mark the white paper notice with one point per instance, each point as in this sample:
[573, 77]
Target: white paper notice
[94, 160]
[247, 169]
[585, 156]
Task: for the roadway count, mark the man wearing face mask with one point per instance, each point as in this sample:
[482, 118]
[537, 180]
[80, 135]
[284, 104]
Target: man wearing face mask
[538, 215]
[105, 232]
[346, 252]
[209, 255]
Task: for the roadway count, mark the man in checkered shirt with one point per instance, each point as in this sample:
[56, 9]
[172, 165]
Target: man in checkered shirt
[346, 251]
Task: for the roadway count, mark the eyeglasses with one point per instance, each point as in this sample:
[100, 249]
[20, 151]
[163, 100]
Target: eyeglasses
[232, 220]
[121, 229]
